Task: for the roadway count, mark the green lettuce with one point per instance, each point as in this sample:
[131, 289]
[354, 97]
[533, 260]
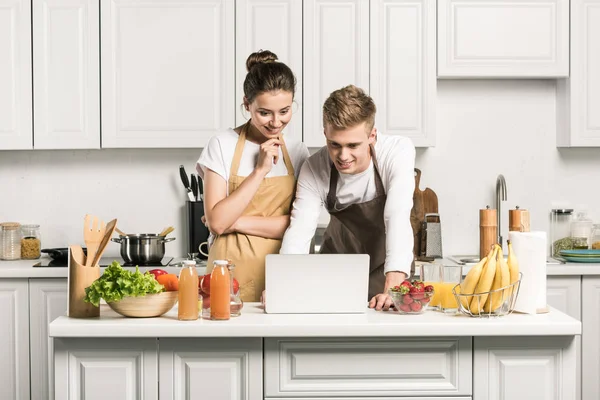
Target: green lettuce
[117, 282]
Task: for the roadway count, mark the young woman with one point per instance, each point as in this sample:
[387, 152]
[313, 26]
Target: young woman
[250, 175]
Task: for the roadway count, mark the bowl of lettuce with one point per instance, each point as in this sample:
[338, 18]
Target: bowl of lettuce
[130, 293]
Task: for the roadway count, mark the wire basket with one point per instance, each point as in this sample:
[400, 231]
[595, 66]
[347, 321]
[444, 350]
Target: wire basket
[505, 299]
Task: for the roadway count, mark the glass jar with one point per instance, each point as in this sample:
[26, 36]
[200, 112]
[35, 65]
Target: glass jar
[596, 237]
[11, 241]
[31, 242]
[236, 303]
[581, 231]
[560, 230]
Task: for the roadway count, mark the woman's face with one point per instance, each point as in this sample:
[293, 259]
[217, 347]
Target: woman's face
[270, 112]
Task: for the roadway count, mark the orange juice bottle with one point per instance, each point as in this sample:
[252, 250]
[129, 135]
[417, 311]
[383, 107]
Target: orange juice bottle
[220, 308]
[188, 292]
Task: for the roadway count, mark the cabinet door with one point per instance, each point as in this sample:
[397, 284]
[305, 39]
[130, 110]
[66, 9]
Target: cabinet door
[167, 72]
[503, 38]
[403, 69]
[48, 301]
[211, 369]
[66, 47]
[15, 75]
[100, 369]
[524, 368]
[274, 25]
[336, 54]
[14, 337]
[590, 338]
[564, 294]
[578, 98]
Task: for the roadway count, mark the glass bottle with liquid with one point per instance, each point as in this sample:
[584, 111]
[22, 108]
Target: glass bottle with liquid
[235, 301]
[188, 292]
[220, 291]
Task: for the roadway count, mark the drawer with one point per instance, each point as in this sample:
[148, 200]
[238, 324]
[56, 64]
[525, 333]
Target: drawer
[338, 367]
[372, 398]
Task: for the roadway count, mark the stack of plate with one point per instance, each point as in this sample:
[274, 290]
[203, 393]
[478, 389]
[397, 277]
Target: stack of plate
[581, 256]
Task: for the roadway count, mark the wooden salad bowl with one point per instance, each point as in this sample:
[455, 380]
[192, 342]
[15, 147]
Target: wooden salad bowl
[150, 305]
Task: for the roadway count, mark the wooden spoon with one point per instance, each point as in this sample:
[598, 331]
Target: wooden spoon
[120, 232]
[166, 231]
[93, 232]
[110, 228]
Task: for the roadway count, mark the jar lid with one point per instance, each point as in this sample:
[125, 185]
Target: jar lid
[10, 226]
[562, 211]
[220, 262]
[30, 226]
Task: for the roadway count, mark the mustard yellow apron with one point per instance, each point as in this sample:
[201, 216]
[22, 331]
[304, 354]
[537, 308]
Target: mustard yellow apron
[273, 198]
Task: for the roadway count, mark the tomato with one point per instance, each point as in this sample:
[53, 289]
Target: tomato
[204, 284]
[158, 272]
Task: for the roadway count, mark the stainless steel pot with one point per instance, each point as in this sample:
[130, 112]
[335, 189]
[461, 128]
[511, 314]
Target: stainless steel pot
[143, 248]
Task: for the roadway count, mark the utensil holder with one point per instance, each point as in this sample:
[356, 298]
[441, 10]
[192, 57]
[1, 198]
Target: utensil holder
[197, 231]
[81, 277]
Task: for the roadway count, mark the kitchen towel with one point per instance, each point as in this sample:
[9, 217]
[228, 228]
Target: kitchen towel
[530, 251]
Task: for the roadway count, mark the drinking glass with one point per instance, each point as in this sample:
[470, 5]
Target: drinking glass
[450, 276]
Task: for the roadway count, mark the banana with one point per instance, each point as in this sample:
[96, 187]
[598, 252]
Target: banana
[513, 265]
[501, 279]
[470, 282]
[485, 283]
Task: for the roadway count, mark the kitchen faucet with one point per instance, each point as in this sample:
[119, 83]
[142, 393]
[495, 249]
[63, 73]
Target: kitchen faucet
[500, 195]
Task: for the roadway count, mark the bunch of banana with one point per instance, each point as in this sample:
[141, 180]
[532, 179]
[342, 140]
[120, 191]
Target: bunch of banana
[493, 272]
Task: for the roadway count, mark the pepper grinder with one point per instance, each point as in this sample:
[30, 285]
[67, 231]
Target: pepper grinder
[518, 220]
[488, 230]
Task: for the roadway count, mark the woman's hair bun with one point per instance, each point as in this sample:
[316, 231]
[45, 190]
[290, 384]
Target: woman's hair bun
[260, 57]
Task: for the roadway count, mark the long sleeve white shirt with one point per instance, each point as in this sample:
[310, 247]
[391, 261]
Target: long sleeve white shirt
[396, 161]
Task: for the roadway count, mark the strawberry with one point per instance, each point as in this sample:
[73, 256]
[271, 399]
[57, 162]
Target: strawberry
[416, 306]
[425, 300]
[416, 293]
[418, 285]
[406, 283]
[406, 299]
[405, 307]
[428, 288]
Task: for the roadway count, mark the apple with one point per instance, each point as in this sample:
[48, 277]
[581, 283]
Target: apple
[158, 272]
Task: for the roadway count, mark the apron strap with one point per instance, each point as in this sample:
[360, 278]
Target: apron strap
[378, 182]
[239, 149]
[286, 157]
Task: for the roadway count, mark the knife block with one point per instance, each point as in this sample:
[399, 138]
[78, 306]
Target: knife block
[81, 277]
[197, 231]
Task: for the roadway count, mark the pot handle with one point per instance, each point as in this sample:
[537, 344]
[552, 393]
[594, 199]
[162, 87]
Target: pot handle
[168, 239]
[116, 240]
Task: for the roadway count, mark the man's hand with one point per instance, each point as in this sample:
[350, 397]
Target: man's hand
[383, 301]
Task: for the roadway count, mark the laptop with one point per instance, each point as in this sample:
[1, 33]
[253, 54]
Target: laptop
[316, 283]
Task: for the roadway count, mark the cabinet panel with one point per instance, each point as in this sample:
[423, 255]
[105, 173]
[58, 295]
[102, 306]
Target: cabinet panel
[16, 131]
[66, 46]
[274, 25]
[336, 54]
[503, 38]
[48, 301]
[167, 72]
[403, 68]
[564, 294]
[368, 366]
[523, 368]
[14, 337]
[578, 98]
[211, 369]
[590, 338]
[100, 369]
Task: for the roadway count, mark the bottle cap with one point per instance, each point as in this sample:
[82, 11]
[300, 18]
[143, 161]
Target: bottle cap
[189, 263]
[220, 262]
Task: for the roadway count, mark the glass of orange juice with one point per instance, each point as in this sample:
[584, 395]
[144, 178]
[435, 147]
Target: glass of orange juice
[431, 274]
[451, 276]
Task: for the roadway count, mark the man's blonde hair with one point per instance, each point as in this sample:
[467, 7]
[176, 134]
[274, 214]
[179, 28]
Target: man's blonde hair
[348, 107]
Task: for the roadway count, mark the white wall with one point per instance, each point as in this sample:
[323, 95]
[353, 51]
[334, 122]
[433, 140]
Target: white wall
[484, 128]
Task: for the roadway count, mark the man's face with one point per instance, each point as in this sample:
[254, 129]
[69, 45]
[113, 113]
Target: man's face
[349, 148]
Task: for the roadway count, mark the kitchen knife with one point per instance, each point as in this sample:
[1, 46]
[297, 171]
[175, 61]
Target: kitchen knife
[200, 189]
[194, 186]
[186, 183]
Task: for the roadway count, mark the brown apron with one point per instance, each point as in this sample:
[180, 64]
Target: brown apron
[359, 228]
[273, 198]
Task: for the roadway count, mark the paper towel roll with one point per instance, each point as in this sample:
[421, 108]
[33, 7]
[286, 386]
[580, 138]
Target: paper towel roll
[530, 250]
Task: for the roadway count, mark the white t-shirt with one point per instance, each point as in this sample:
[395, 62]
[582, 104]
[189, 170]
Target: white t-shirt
[218, 155]
[396, 161]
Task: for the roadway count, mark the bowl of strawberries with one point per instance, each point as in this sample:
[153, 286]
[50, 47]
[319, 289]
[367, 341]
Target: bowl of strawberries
[411, 297]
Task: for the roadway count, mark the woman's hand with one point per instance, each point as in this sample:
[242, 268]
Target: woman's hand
[268, 155]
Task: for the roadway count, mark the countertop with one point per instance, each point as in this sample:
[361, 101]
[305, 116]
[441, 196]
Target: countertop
[255, 323]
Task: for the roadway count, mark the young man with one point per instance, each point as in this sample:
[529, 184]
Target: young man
[365, 180]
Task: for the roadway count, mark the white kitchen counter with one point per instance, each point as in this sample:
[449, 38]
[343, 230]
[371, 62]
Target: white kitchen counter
[255, 323]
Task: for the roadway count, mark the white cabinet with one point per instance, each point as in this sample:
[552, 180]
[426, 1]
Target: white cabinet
[336, 54]
[578, 98]
[403, 68]
[590, 358]
[274, 25]
[15, 75]
[564, 294]
[66, 55]
[101, 369]
[338, 367]
[524, 368]
[503, 38]
[14, 337]
[211, 369]
[47, 301]
[167, 72]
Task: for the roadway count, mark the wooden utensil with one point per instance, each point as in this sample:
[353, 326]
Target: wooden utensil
[120, 232]
[417, 213]
[430, 204]
[166, 231]
[110, 228]
[93, 232]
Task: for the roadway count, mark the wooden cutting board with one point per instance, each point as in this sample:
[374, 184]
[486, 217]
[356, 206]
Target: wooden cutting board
[424, 202]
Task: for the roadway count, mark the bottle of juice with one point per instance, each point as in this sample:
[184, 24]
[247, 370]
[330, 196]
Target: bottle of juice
[220, 291]
[188, 292]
